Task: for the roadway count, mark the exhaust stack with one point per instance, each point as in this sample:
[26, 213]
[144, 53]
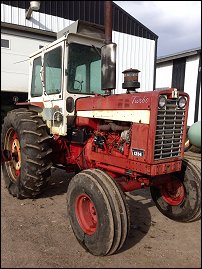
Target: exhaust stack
[108, 53]
[108, 21]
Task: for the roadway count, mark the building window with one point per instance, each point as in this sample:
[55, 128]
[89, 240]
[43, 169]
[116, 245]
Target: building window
[5, 43]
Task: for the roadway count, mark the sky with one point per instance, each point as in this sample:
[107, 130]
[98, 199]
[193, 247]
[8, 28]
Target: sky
[176, 23]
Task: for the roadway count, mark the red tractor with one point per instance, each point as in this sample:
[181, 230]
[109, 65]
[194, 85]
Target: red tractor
[115, 143]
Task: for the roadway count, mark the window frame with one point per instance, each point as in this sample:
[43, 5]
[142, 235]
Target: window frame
[38, 56]
[44, 70]
[67, 82]
[57, 96]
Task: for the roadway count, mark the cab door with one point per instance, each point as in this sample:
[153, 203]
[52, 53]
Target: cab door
[53, 63]
[53, 85]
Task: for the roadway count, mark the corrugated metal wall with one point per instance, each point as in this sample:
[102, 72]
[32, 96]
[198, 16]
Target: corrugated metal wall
[191, 74]
[92, 11]
[135, 52]
[132, 51]
[164, 80]
[42, 21]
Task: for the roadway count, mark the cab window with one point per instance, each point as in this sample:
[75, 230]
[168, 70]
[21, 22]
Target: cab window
[53, 70]
[36, 86]
[84, 69]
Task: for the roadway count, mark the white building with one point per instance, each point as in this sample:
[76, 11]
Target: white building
[20, 37]
[182, 71]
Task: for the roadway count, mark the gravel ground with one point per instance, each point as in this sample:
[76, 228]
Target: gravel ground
[36, 233]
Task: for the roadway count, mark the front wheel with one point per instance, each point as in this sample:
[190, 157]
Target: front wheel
[180, 197]
[98, 212]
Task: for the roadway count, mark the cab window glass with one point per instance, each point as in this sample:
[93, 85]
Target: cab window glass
[95, 78]
[36, 86]
[84, 69]
[80, 78]
[53, 70]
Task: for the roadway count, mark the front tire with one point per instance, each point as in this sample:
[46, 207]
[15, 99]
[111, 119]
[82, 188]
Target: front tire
[98, 212]
[25, 136]
[180, 198]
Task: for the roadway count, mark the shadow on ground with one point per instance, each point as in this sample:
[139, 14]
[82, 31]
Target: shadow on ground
[139, 202]
[58, 183]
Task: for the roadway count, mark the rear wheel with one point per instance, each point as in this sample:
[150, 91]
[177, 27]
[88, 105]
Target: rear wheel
[180, 197]
[25, 137]
[98, 212]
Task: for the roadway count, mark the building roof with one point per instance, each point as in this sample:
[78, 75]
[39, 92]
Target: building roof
[91, 11]
[177, 55]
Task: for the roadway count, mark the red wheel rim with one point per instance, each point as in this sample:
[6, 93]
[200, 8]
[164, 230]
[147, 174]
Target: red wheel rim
[86, 214]
[12, 144]
[173, 192]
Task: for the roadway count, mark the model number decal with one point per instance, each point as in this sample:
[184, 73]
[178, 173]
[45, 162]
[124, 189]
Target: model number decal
[138, 152]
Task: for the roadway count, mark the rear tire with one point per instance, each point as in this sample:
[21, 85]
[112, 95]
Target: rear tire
[185, 206]
[25, 135]
[104, 230]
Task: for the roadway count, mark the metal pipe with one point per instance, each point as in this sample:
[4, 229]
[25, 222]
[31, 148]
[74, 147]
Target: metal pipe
[104, 127]
[108, 53]
[108, 21]
[113, 126]
[116, 127]
[117, 170]
[128, 186]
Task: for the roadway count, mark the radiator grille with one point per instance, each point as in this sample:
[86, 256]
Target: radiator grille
[169, 131]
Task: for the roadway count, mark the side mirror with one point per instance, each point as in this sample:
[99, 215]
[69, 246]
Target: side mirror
[108, 67]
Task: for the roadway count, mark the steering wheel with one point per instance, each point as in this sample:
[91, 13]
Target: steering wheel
[78, 85]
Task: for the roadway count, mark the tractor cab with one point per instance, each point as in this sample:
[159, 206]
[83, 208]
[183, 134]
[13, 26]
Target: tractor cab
[65, 70]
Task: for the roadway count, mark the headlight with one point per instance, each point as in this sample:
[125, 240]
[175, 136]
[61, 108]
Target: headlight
[182, 102]
[162, 101]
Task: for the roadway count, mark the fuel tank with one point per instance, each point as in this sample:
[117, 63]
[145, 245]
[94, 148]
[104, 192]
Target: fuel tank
[194, 134]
